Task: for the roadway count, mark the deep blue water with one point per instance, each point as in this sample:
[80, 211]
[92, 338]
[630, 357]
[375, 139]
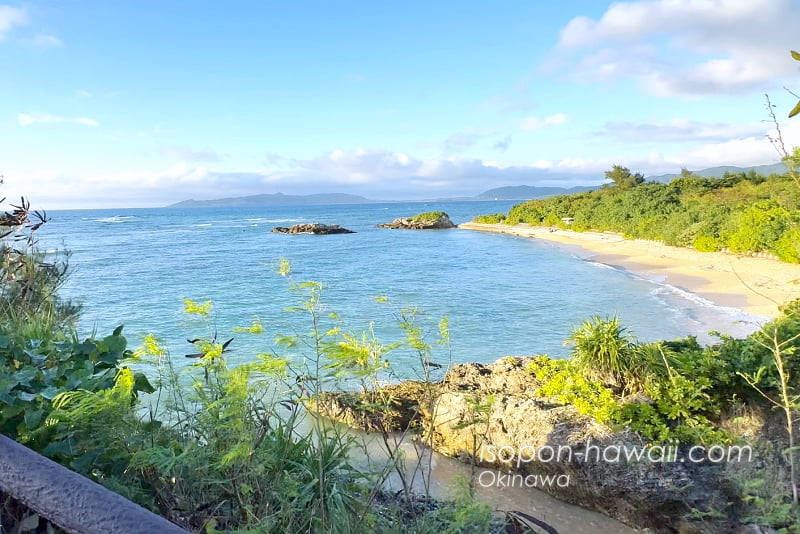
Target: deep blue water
[504, 295]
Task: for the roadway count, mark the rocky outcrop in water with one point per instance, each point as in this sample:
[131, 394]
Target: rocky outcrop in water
[434, 220]
[312, 228]
[490, 415]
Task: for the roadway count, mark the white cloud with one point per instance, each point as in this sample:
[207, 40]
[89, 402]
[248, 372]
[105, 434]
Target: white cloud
[631, 21]
[47, 41]
[27, 119]
[402, 175]
[373, 173]
[11, 17]
[755, 150]
[185, 153]
[608, 63]
[535, 123]
[744, 152]
[383, 174]
[360, 166]
[686, 47]
[681, 131]
[459, 142]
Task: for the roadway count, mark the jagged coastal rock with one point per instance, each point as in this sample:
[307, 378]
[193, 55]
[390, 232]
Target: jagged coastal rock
[432, 220]
[395, 407]
[490, 415]
[312, 228]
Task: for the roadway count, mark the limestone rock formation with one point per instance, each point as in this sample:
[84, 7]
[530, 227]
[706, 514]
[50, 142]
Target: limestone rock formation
[491, 415]
[395, 407]
[523, 434]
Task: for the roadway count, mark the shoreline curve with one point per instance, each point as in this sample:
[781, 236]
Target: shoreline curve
[754, 285]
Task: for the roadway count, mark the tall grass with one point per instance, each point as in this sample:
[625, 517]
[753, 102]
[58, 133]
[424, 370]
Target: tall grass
[603, 350]
[236, 450]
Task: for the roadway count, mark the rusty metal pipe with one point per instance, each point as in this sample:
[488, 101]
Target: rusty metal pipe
[69, 500]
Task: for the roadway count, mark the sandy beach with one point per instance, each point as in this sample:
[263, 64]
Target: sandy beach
[755, 285]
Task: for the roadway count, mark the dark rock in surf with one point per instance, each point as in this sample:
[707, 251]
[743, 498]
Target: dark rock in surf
[312, 228]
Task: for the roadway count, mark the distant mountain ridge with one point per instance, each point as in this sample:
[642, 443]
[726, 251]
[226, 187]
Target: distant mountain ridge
[528, 192]
[717, 172]
[512, 192]
[275, 199]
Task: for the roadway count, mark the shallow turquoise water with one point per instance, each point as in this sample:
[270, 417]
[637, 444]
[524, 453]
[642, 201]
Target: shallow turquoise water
[504, 295]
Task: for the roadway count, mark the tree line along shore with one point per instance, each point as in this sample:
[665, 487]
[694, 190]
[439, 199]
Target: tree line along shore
[740, 213]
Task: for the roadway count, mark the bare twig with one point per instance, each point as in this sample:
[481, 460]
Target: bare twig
[779, 145]
[776, 141]
[751, 288]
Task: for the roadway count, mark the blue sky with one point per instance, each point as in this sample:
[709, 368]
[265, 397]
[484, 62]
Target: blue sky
[146, 103]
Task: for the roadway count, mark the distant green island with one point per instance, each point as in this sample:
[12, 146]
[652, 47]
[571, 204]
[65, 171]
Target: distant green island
[275, 199]
[510, 192]
[719, 172]
[519, 192]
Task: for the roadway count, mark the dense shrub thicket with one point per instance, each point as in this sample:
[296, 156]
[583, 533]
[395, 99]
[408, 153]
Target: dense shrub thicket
[493, 218]
[681, 393]
[743, 212]
[689, 387]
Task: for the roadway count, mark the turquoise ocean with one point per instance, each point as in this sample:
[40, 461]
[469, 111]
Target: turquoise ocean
[503, 295]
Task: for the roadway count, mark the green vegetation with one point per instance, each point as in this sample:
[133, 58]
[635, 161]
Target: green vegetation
[603, 351]
[610, 374]
[212, 447]
[790, 157]
[743, 212]
[494, 218]
[560, 380]
[284, 267]
[429, 216]
[681, 392]
[623, 178]
[30, 307]
[39, 356]
[796, 108]
[689, 387]
[219, 448]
